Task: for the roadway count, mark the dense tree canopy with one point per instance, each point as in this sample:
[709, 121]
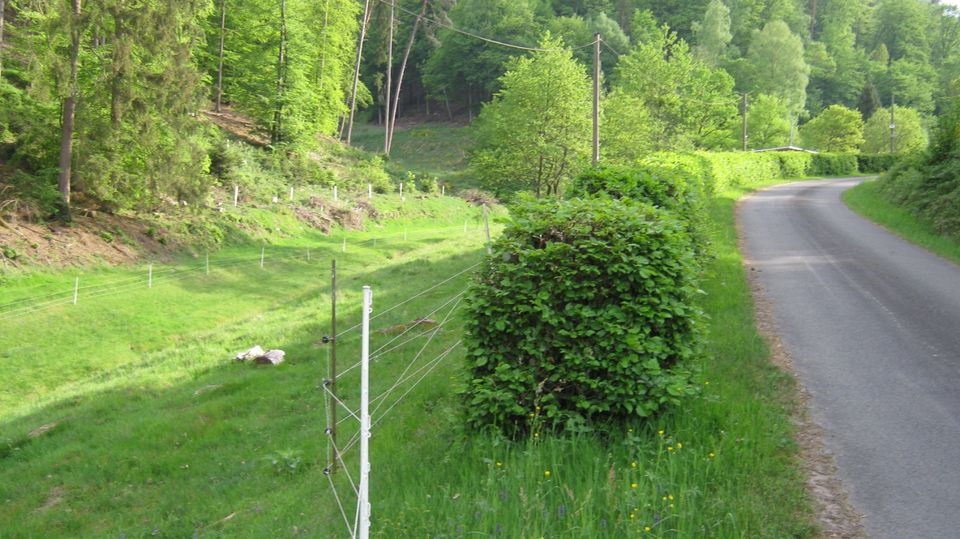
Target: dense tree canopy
[109, 98]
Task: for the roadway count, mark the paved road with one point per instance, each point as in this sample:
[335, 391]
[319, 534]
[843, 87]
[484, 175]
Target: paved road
[873, 326]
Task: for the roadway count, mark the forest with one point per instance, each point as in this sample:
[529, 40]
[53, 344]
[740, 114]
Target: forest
[112, 103]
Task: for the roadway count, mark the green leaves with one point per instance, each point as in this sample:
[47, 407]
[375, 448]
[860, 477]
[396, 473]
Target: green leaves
[535, 134]
[836, 129]
[586, 320]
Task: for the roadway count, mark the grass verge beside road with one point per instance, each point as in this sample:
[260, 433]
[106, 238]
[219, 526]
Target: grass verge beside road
[867, 200]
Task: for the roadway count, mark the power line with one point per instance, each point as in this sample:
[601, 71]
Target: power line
[453, 28]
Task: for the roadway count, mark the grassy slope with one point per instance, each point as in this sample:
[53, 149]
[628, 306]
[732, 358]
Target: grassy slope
[156, 429]
[867, 200]
[438, 150]
[158, 432]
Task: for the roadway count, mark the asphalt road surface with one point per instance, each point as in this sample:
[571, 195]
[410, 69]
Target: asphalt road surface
[873, 326]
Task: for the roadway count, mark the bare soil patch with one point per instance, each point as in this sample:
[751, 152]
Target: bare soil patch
[89, 239]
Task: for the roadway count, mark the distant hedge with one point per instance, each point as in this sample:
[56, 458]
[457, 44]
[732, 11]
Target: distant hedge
[877, 162]
[584, 315]
[834, 164]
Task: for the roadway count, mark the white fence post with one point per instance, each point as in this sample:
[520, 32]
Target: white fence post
[370, 190]
[150, 276]
[363, 492]
[76, 290]
[208, 262]
[263, 251]
[486, 224]
[236, 195]
[291, 194]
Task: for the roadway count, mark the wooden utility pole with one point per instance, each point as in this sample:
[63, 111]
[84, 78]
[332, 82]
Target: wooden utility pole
[223, 30]
[356, 69]
[69, 111]
[746, 106]
[893, 124]
[596, 99]
[389, 87]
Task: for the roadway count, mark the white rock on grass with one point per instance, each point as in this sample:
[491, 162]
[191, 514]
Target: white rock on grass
[271, 357]
[252, 353]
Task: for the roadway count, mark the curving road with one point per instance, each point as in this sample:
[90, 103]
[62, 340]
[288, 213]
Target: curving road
[873, 326]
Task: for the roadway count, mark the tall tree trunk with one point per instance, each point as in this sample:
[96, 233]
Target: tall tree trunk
[813, 19]
[389, 86]
[391, 123]
[323, 46]
[223, 31]
[69, 110]
[276, 131]
[2, 8]
[119, 66]
[356, 70]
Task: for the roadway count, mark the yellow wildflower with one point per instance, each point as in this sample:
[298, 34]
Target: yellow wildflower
[546, 473]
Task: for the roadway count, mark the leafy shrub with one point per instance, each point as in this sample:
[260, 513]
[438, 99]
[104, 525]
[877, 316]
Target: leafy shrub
[583, 315]
[929, 184]
[664, 186]
[834, 164]
[876, 162]
[423, 183]
[428, 184]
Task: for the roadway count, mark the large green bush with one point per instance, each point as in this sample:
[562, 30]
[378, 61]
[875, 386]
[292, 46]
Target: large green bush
[662, 184]
[582, 316]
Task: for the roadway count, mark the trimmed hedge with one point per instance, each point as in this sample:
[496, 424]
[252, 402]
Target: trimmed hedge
[729, 169]
[669, 185]
[795, 164]
[583, 316]
[834, 164]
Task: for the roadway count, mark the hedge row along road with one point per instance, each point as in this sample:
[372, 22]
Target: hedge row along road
[873, 326]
